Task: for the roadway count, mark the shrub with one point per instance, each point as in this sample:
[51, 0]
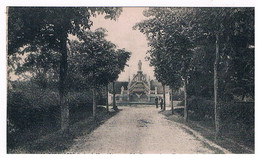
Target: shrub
[239, 116]
[29, 112]
[31, 108]
[33, 111]
[178, 95]
[200, 109]
[80, 104]
[236, 118]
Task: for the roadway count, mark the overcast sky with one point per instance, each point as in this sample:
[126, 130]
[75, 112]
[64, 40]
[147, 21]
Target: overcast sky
[120, 32]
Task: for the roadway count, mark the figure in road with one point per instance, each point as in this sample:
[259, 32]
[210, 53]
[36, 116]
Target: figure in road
[161, 103]
[156, 101]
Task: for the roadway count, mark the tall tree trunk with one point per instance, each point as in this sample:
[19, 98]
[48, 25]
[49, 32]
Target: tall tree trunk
[185, 100]
[62, 87]
[94, 103]
[164, 103]
[114, 98]
[107, 98]
[216, 109]
[172, 102]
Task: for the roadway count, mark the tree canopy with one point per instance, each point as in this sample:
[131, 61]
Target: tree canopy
[49, 25]
[182, 42]
[96, 59]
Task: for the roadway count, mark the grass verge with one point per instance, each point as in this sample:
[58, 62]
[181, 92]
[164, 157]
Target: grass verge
[206, 130]
[55, 143]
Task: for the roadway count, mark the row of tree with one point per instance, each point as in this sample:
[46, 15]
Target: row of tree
[207, 51]
[40, 42]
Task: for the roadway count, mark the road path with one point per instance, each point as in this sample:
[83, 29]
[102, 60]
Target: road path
[141, 130]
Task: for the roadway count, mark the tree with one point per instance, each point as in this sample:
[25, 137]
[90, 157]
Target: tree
[185, 36]
[90, 59]
[117, 65]
[97, 60]
[51, 26]
[41, 65]
[168, 37]
[223, 25]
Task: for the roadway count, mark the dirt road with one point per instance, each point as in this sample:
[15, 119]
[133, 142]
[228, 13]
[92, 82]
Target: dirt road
[142, 130]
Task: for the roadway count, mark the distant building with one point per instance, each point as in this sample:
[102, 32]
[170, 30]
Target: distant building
[139, 90]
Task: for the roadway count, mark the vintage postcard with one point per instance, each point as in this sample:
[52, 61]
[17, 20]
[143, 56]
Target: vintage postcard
[138, 79]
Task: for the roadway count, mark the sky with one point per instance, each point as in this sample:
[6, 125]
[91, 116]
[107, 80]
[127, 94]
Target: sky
[120, 32]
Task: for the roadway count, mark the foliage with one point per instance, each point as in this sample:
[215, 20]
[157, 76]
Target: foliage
[182, 42]
[239, 117]
[47, 25]
[43, 32]
[40, 66]
[170, 46]
[95, 59]
[235, 27]
[31, 106]
[33, 111]
[178, 95]
[201, 109]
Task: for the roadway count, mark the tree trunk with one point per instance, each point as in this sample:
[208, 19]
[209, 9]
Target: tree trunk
[94, 103]
[164, 103]
[216, 109]
[172, 102]
[62, 87]
[107, 98]
[114, 98]
[185, 101]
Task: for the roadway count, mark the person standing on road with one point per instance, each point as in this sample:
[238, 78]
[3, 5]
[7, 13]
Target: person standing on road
[161, 103]
[156, 101]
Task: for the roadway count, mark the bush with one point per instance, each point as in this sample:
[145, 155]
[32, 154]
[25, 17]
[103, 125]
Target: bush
[29, 112]
[79, 99]
[238, 116]
[200, 109]
[33, 111]
[178, 95]
[80, 105]
[31, 108]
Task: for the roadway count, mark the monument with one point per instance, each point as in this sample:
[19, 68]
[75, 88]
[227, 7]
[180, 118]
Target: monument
[139, 86]
[138, 90]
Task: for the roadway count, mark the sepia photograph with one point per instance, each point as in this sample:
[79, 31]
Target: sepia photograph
[130, 80]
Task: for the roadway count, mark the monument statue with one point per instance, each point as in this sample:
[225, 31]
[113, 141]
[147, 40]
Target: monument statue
[122, 90]
[139, 65]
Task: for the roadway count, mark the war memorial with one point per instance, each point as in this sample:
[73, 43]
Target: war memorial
[139, 89]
